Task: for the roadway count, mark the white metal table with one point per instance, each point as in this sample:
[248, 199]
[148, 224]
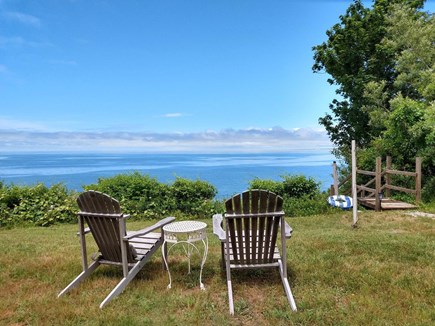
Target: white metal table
[186, 233]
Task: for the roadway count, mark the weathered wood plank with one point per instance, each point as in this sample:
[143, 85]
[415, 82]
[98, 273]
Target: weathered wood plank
[386, 204]
[366, 172]
[366, 189]
[397, 172]
[410, 191]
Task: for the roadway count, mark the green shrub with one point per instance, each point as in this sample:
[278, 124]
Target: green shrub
[299, 186]
[139, 195]
[10, 196]
[143, 196]
[274, 186]
[301, 195]
[428, 191]
[306, 205]
[218, 206]
[6, 217]
[39, 205]
[193, 197]
[291, 185]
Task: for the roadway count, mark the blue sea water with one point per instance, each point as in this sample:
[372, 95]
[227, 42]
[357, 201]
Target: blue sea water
[229, 173]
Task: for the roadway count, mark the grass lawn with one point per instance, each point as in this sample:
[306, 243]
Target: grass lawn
[381, 273]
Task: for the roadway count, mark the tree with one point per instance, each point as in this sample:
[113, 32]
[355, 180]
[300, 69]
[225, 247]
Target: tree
[354, 57]
[409, 127]
[383, 62]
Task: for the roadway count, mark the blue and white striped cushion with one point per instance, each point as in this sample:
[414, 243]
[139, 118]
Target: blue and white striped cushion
[341, 201]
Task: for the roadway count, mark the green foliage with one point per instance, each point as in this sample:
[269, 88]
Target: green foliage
[428, 191]
[193, 197]
[404, 135]
[274, 186]
[382, 60]
[307, 205]
[410, 34]
[11, 196]
[39, 205]
[383, 51]
[143, 196]
[301, 195]
[298, 186]
[294, 186]
[139, 195]
[352, 59]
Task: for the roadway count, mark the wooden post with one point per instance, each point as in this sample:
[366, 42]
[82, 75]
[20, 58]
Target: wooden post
[334, 174]
[83, 243]
[388, 178]
[331, 190]
[354, 195]
[418, 180]
[378, 183]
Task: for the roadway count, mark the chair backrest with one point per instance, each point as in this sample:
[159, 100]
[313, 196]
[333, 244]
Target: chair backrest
[103, 215]
[252, 223]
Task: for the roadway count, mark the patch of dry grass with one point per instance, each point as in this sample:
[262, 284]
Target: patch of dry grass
[382, 272]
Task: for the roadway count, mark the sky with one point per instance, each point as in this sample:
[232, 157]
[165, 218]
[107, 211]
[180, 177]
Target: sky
[209, 76]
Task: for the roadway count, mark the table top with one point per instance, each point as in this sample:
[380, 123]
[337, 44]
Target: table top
[184, 226]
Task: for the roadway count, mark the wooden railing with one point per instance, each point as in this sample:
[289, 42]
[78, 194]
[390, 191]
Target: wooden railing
[374, 186]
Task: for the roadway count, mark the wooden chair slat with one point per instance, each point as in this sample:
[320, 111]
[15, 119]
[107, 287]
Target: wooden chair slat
[267, 238]
[255, 197]
[275, 226]
[229, 206]
[263, 201]
[246, 202]
[151, 235]
[237, 204]
[232, 233]
[279, 203]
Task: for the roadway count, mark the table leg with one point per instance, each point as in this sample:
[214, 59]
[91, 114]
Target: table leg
[188, 251]
[189, 254]
[204, 257]
[164, 253]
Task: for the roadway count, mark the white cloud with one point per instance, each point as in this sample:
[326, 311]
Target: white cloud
[172, 115]
[19, 125]
[63, 62]
[228, 140]
[19, 41]
[22, 18]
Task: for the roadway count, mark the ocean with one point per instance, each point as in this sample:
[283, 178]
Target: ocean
[229, 173]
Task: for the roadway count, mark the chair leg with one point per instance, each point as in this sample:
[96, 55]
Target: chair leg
[82, 276]
[222, 256]
[123, 283]
[229, 285]
[230, 297]
[287, 288]
[131, 274]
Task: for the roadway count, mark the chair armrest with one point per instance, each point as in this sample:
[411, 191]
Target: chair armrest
[288, 230]
[151, 228]
[217, 227]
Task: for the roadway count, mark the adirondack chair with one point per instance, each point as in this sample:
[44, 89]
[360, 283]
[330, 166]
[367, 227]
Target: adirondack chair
[106, 222]
[252, 221]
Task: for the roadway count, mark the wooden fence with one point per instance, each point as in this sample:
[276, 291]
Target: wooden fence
[371, 194]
